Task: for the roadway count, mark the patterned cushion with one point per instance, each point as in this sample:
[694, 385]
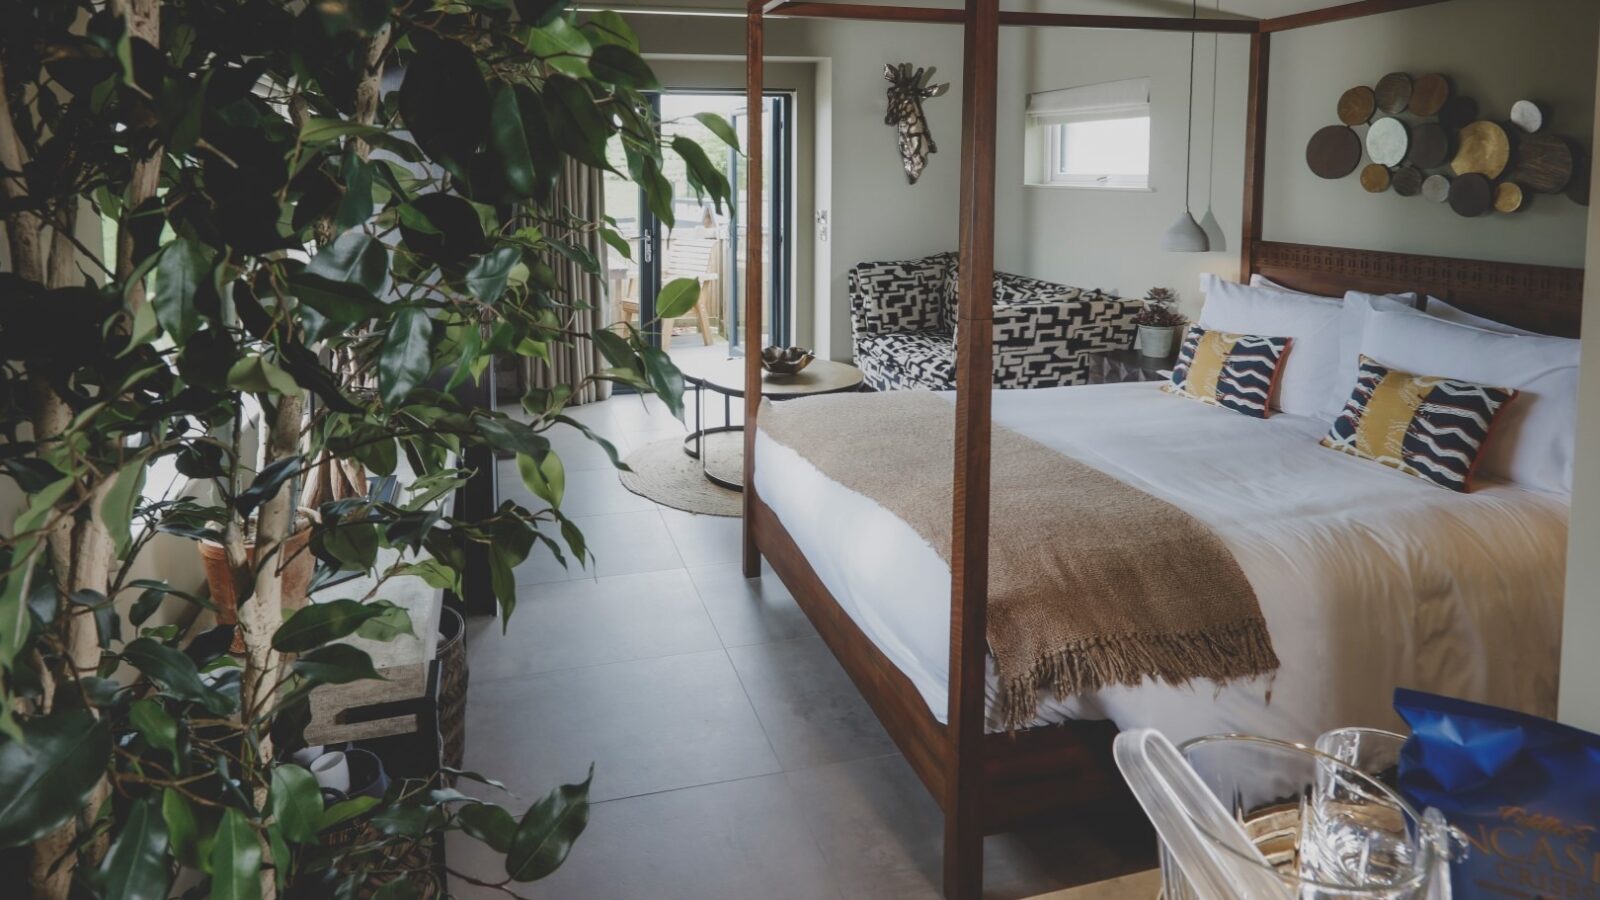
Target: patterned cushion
[1234, 371]
[905, 362]
[890, 297]
[1423, 425]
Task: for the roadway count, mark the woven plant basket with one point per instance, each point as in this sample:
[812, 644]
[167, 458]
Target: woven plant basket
[415, 859]
[452, 656]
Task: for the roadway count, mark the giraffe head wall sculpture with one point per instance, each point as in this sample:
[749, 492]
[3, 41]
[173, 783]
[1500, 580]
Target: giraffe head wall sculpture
[907, 90]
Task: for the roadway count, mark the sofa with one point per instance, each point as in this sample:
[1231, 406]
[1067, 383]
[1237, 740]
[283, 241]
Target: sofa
[903, 320]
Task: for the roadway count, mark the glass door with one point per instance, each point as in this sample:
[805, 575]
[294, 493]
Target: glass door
[704, 243]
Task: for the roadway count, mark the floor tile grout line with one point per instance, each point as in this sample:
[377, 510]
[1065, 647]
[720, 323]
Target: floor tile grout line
[614, 662]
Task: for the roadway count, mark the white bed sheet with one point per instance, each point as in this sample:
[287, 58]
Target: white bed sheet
[1368, 578]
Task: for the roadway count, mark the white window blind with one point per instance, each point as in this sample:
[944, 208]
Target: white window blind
[1127, 99]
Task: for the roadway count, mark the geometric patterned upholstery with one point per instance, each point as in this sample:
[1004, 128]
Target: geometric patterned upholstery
[903, 316]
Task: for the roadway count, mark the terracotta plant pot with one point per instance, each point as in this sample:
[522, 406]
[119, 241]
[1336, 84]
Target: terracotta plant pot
[301, 565]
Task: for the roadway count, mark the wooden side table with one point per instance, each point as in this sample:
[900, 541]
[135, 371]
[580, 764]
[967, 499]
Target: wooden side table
[1120, 366]
[726, 377]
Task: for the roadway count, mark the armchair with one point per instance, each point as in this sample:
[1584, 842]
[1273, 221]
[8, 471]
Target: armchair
[903, 319]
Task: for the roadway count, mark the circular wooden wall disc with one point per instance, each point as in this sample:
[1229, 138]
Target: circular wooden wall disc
[1428, 95]
[1407, 181]
[1430, 145]
[1334, 152]
[1458, 112]
[1436, 188]
[1544, 163]
[1507, 197]
[1387, 141]
[1578, 188]
[1394, 93]
[1375, 178]
[1471, 195]
[1527, 115]
[1485, 149]
[1356, 106]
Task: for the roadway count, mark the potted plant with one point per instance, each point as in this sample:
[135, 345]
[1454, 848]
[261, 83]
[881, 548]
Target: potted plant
[268, 263]
[1158, 323]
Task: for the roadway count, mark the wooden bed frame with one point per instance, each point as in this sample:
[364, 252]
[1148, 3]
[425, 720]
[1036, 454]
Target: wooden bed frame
[988, 783]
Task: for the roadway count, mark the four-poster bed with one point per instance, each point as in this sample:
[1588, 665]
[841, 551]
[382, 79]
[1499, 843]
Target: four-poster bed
[992, 782]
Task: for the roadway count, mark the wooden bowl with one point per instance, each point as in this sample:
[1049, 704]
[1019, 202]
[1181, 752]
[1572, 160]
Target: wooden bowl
[786, 360]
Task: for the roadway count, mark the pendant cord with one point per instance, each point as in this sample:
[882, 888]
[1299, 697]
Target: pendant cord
[1211, 155]
[1188, 151]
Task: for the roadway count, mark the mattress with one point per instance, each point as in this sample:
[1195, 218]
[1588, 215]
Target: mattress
[1369, 579]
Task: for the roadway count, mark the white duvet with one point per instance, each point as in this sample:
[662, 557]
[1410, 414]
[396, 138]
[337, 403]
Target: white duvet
[1369, 579]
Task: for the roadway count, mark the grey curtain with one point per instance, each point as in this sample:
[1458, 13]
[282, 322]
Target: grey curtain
[580, 192]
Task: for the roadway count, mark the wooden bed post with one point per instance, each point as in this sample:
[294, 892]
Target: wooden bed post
[755, 78]
[969, 563]
[1255, 152]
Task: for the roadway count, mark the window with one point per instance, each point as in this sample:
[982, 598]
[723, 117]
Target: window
[1095, 136]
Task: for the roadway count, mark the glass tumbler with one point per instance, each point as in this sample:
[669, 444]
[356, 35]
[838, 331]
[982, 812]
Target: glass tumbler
[1326, 829]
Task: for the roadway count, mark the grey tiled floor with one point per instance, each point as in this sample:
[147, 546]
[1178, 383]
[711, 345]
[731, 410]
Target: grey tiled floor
[733, 757]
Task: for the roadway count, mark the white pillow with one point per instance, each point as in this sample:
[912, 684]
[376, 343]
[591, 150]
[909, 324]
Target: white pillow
[1442, 310]
[1533, 441]
[1353, 318]
[1311, 324]
[1263, 281]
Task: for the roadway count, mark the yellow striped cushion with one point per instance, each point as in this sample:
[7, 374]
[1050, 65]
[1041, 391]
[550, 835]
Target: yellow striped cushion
[1235, 371]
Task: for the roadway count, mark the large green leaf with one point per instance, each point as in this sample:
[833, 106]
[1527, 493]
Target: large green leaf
[267, 483]
[13, 605]
[664, 377]
[136, 866]
[335, 664]
[116, 507]
[488, 823]
[677, 298]
[152, 721]
[404, 360]
[546, 478]
[577, 124]
[318, 623]
[340, 302]
[46, 777]
[354, 258]
[390, 623]
[607, 27]
[704, 177]
[486, 280]
[183, 831]
[296, 802]
[235, 859]
[719, 127]
[175, 674]
[562, 47]
[546, 832]
[508, 142]
[445, 103]
[258, 375]
[185, 263]
[615, 64]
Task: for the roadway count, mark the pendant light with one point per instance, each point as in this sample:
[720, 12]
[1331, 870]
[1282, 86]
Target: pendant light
[1208, 223]
[1186, 235]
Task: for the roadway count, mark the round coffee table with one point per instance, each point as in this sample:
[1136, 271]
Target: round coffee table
[720, 448]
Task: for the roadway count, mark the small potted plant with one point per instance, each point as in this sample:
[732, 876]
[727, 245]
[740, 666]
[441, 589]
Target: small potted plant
[1158, 323]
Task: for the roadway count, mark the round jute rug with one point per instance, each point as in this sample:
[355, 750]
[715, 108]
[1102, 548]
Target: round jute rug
[664, 473]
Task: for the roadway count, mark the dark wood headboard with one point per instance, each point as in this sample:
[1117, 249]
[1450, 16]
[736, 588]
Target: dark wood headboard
[1546, 299]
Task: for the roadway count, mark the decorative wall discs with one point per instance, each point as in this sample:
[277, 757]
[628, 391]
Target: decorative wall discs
[1471, 195]
[1375, 178]
[1334, 152]
[1394, 93]
[1429, 94]
[1458, 112]
[1508, 197]
[1407, 181]
[1527, 115]
[1356, 105]
[1544, 163]
[1436, 188]
[1484, 149]
[1387, 141]
[1430, 145]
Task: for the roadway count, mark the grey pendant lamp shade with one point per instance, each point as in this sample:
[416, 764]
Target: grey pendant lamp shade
[1186, 235]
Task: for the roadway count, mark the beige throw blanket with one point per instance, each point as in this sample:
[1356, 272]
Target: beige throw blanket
[1092, 582]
